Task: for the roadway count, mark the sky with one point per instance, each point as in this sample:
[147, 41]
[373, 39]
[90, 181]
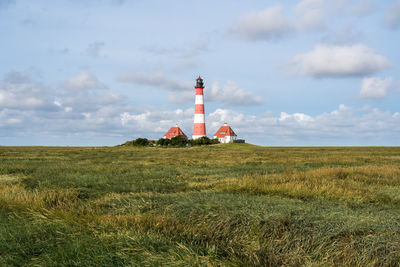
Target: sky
[280, 73]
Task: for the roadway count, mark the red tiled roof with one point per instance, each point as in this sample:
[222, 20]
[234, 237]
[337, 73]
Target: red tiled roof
[224, 131]
[174, 131]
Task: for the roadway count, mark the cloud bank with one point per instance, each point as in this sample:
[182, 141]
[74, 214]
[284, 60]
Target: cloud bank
[338, 127]
[29, 108]
[268, 24]
[339, 61]
[83, 81]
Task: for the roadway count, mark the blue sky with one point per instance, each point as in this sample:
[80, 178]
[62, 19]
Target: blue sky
[100, 72]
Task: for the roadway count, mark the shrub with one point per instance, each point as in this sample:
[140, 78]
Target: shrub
[179, 140]
[203, 141]
[214, 141]
[138, 142]
[163, 142]
[141, 142]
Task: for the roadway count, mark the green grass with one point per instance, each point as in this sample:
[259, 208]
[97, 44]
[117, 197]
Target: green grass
[234, 205]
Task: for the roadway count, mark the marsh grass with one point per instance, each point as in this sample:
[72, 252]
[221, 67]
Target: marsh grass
[220, 205]
[370, 184]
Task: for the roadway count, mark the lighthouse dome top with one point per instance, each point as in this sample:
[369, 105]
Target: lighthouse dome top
[199, 83]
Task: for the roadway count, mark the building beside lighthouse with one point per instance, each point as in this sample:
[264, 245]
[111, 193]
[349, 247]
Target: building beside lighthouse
[199, 124]
[225, 134]
[173, 132]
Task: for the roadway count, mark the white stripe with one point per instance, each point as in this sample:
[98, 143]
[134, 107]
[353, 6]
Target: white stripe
[199, 99]
[197, 136]
[199, 118]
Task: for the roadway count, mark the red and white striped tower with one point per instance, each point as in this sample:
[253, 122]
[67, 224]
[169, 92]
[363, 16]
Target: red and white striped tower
[199, 126]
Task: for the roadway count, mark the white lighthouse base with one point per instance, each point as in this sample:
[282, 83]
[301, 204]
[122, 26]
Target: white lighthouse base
[194, 137]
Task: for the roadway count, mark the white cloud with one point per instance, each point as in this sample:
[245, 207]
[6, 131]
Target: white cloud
[311, 15]
[18, 91]
[157, 121]
[183, 92]
[374, 88]
[90, 101]
[27, 106]
[392, 16]
[154, 79]
[82, 94]
[295, 118]
[231, 94]
[339, 61]
[268, 24]
[342, 126]
[83, 81]
[181, 97]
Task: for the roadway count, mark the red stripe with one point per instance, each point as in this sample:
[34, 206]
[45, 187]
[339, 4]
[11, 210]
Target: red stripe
[199, 129]
[199, 91]
[199, 109]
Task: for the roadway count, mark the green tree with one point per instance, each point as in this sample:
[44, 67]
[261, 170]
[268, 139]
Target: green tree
[163, 142]
[203, 141]
[141, 142]
[179, 140]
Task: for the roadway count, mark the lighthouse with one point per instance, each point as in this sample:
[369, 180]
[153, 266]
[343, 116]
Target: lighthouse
[199, 125]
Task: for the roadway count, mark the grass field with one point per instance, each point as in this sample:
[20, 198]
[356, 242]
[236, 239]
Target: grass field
[218, 205]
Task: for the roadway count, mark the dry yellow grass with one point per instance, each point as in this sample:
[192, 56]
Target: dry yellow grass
[362, 183]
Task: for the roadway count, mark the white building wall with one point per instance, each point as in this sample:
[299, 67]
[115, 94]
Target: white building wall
[229, 139]
[226, 139]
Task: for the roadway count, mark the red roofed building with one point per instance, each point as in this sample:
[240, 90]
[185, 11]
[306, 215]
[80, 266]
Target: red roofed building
[174, 131]
[225, 134]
